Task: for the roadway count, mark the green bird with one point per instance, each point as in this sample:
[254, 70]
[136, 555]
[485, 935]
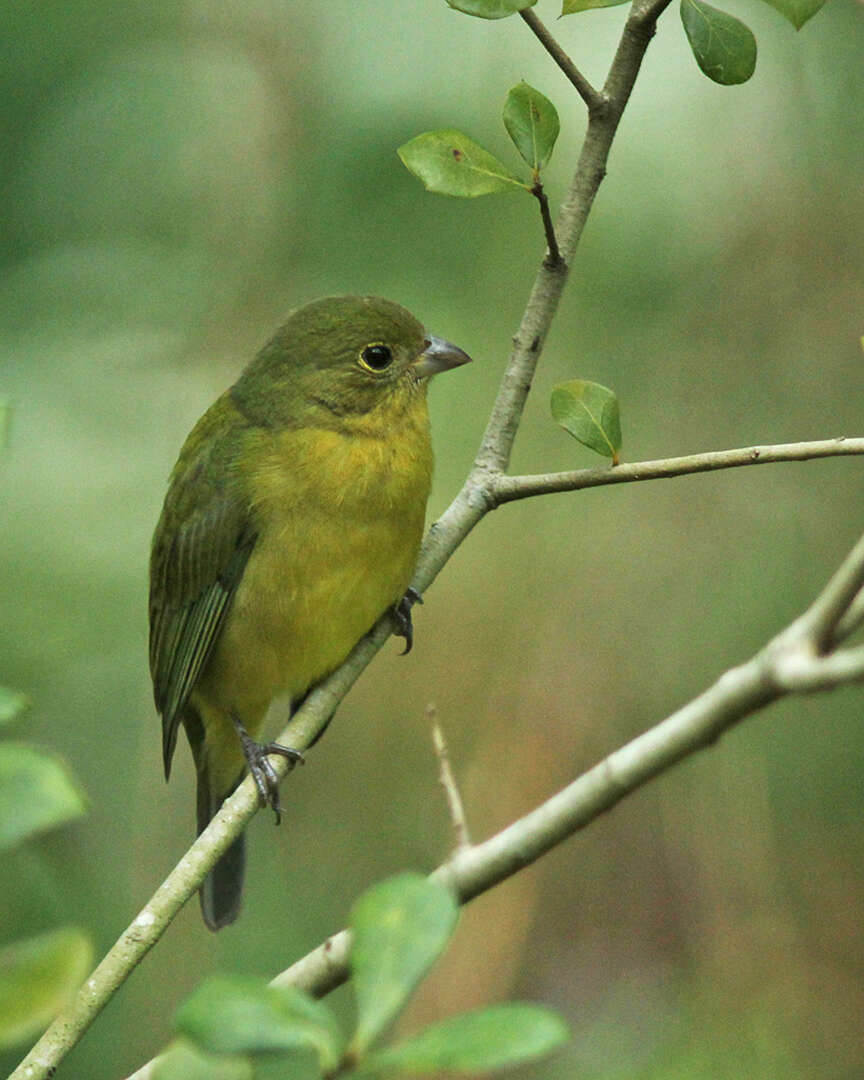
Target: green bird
[292, 522]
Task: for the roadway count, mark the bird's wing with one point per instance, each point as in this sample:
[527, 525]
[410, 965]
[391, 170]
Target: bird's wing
[200, 550]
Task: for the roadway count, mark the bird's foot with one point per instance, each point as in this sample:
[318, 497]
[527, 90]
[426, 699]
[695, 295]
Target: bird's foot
[262, 771]
[402, 618]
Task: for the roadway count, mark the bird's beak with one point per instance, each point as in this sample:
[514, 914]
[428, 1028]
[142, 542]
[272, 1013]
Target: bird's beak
[439, 355]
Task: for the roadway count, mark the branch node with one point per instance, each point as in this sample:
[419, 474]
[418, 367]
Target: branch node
[601, 108]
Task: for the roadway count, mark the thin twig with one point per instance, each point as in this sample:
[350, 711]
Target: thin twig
[823, 616]
[586, 91]
[448, 783]
[503, 489]
[852, 620]
[553, 259]
[805, 656]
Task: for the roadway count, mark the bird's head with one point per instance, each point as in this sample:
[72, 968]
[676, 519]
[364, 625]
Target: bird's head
[340, 358]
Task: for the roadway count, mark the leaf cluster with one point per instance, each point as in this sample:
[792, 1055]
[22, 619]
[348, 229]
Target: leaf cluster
[240, 1028]
[449, 162]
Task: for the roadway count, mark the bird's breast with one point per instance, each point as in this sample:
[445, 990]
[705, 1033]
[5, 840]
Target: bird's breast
[340, 520]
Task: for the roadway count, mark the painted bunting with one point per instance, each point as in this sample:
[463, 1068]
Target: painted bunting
[292, 522]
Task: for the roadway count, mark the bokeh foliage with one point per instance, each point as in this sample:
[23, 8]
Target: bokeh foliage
[174, 178]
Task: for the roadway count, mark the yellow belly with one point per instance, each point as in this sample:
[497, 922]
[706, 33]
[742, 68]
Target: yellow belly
[307, 596]
[340, 520]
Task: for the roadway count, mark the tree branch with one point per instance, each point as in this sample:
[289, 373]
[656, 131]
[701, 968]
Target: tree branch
[503, 489]
[820, 621]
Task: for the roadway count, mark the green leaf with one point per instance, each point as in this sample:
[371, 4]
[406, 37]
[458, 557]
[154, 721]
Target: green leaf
[449, 163]
[590, 413]
[532, 123]
[183, 1061]
[38, 977]
[11, 701]
[491, 9]
[37, 792]
[572, 6]
[797, 12]
[724, 47]
[492, 1038]
[239, 1014]
[400, 927]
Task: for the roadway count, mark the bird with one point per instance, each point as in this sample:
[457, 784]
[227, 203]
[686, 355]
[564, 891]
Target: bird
[292, 522]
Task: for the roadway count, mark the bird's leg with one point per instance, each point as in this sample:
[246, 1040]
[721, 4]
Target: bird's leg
[262, 771]
[402, 618]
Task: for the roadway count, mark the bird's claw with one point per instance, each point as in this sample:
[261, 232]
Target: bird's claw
[263, 773]
[402, 618]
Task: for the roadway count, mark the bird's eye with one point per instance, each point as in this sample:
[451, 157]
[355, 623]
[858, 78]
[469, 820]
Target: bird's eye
[376, 357]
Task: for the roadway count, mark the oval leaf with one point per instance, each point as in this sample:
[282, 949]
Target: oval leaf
[532, 123]
[38, 977]
[572, 6]
[239, 1014]
[449, 163]
[11, 703]
[590, 413]
[400, 927]
[492, 1038]
[797, 12]
[725, 49]
[491, 9]
[37, 792]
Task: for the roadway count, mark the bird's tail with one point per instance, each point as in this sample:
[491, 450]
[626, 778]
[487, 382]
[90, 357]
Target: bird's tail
[221, 892]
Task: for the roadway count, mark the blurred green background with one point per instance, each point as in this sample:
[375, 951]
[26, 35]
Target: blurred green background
[176, 177]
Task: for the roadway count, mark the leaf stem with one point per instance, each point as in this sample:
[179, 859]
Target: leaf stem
[585, 90]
